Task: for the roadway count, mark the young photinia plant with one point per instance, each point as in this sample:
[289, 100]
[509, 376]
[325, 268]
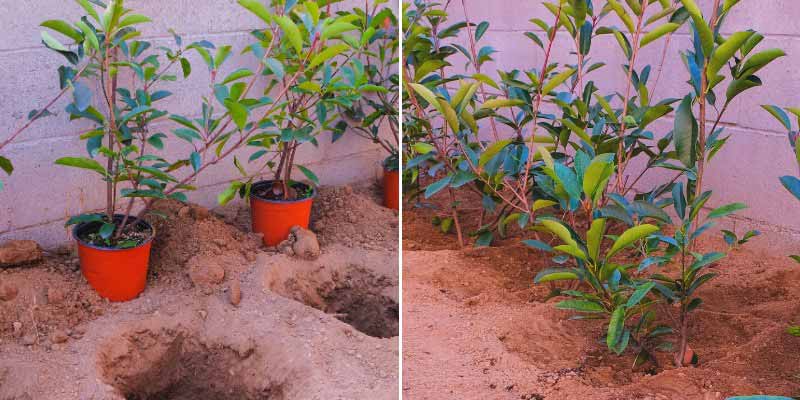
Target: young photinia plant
[379, 107]
[306, 55]
[122, 115]
[576, 156]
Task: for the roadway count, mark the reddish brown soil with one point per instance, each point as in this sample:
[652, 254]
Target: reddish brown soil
[476, 327]
[208, 324]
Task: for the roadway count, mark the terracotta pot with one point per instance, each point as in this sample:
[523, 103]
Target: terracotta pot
[116, 274]
[391, 189]
[274, 218]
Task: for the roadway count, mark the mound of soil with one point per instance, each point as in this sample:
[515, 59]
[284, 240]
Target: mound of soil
[46, 301]
[191, 233]
[354, 218]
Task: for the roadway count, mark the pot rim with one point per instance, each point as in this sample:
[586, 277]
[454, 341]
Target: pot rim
[84, 243]
[253, 196]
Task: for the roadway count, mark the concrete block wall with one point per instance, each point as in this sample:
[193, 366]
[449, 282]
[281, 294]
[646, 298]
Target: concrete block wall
[758, 153]
[40, 196]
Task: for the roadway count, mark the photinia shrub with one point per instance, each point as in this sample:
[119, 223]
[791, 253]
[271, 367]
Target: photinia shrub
[106, 40]
[566, 169]
[306, 61]
[378, 53]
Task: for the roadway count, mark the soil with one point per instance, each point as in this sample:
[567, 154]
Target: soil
[477, 312]
[297, 191]
[213, 323]
[133, 235]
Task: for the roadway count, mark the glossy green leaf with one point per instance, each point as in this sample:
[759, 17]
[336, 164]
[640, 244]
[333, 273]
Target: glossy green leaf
[257, 8]
[291, 32]
[81, 162]
[657, 33]
[630, 236]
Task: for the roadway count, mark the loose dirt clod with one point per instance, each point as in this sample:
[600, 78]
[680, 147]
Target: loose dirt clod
[205, 272]
[235, 292]
[18, 252]
[305, 243]
[8, 292]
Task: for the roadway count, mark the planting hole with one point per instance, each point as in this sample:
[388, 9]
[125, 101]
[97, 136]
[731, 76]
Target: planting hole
[174, 365]
[358, 299]
[353, 294]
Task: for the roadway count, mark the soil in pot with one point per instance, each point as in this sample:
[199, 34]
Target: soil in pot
[275, 214]
[116, 273]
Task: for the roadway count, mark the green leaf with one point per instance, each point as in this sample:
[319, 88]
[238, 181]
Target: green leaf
[427, 94]
[595, 177]
[791, 184]
[437, 186]
[64, 29]
[657, 33]
[89, 9]
[537, 244]
[630, 236]
[580, 305]
[559, 230]
[557, 80]
[492, 151]
[257, 7]
[615, 327]
[726, 210]
[594, 237]
[498, 103]
[760, 60]
[556, 274]
[5, 165]
[309, 174]
[640, 294]
[239, 113]
[449, 114]
[236, 75]
[52, 42]
[780, 115]
[291, 32]
[83, 218]
[740, 85]
[82, 96]
[423, 148]
[275, 66]
[796, 259]
[685, 133]
[196, 161]
[703, 30]
[337, 28]
[89, 34]
[327, 54]
[107, 230]
[81, 162]
[222, 54]
[133, 19]
[228, 194]
[725, 52]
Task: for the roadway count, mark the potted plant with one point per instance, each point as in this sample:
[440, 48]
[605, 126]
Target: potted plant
[307, 59]
[379, 107]
[114, 247]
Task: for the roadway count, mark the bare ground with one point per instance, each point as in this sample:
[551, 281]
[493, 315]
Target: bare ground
[217, 320]
[475, 327]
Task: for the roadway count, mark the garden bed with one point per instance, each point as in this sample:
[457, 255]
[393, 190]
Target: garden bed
[213, 319]
[478, 311]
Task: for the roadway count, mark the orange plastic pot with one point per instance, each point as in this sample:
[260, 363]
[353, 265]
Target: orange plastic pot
[116, 274]
[391, 189]
[274, 218]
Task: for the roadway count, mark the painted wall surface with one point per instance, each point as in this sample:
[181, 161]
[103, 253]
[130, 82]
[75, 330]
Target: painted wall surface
[758, 153]
[39, 196]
